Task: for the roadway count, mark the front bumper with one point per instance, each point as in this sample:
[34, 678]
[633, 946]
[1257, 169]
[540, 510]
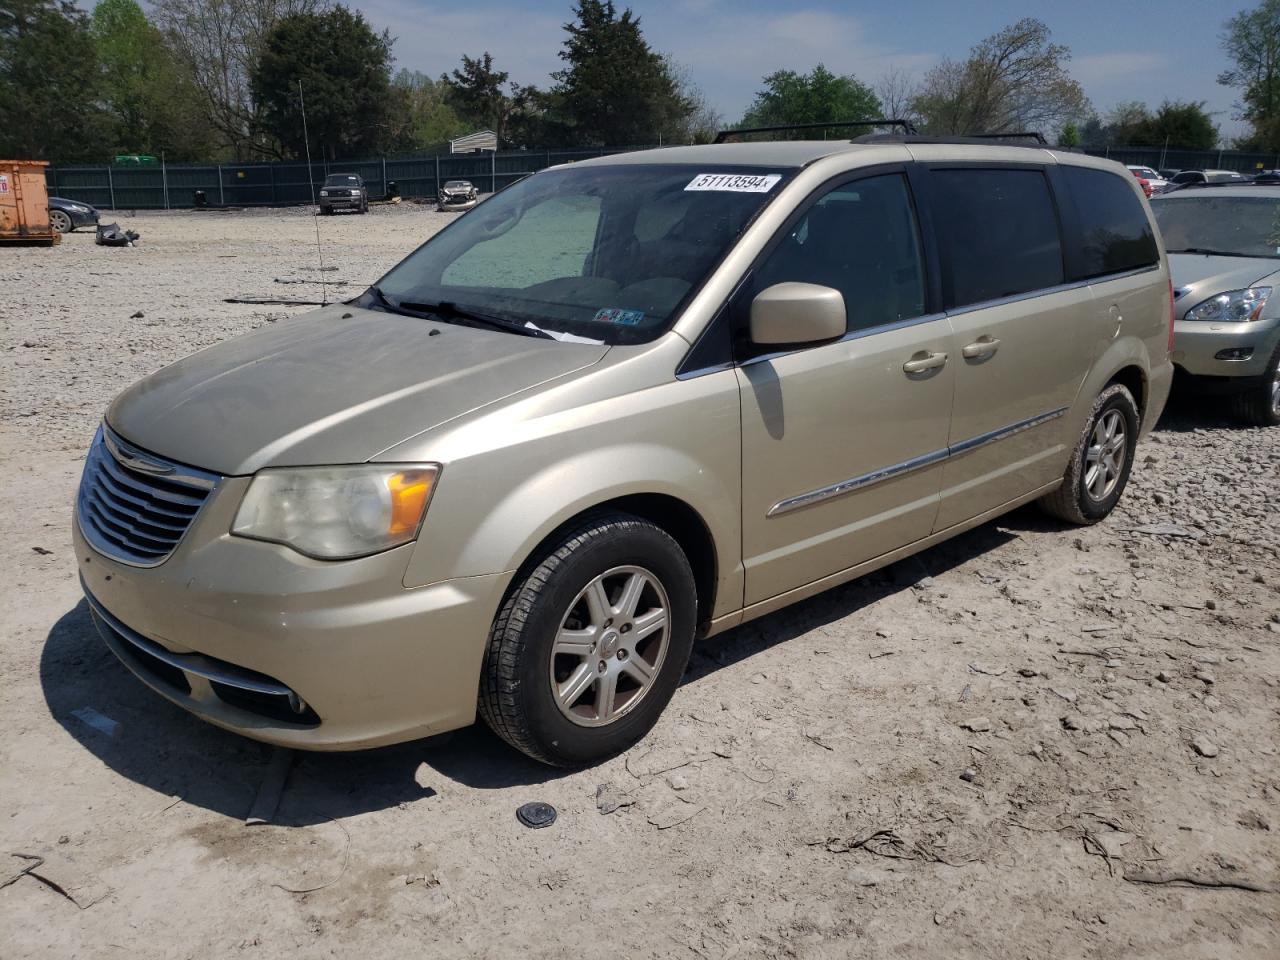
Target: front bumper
[1197, 343]
[323, 656]
[342, 203]
[446, 204]
[86, 219]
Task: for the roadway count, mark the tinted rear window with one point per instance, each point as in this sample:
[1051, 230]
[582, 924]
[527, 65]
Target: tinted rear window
[999, 230]
[1115, 233]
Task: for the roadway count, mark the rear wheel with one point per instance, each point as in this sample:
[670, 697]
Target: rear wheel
[590, 646]
[60, 220]
[1101, 461]
[1259, 404]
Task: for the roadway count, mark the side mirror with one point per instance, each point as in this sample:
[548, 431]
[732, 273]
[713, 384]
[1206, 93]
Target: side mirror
[797, 313]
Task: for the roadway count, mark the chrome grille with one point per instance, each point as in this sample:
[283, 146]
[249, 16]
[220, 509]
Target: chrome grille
[135, 507]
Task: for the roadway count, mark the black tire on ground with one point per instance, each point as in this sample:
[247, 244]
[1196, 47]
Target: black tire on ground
[364, 206]
[1259, 403]
[516, 696]
[1074, 501]
[326, 211]
[61, 221]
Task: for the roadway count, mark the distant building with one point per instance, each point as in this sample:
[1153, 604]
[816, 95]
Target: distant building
[475, 142]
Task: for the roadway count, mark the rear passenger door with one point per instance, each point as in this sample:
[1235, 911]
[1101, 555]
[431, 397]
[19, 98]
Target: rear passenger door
[1019, 346]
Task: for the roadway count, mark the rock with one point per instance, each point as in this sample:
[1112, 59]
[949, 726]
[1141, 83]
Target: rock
[1122, 723]
[609, 798]
[976, 724]
[969, 775]
[1204, 676]
[987, 669]
[1252, 820]
[1164, 676]
[677, 781]
[1038, 751]
[137, 316]
[1204, 746]
[1028, 672]
[1068, 695]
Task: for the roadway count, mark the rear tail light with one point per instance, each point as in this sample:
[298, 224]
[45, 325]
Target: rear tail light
[1171, 315]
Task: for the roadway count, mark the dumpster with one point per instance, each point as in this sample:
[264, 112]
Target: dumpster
[24, 203]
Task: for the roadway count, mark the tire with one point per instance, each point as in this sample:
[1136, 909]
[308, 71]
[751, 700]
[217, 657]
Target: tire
[1259, 403]
[326, 211]
[558, 643]
[1094, 480]
[60, 221]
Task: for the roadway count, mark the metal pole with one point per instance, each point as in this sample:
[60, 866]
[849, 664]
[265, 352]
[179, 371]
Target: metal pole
[493, 171]
[437, 175]
[1165, 152]
[111, 186]
[222, 200]
[384, 175]
[164, 180]
[1219, 159]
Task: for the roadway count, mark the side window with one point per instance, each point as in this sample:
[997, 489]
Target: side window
[566, 232]
[861, 239]
[1115, 232]
[998, 230]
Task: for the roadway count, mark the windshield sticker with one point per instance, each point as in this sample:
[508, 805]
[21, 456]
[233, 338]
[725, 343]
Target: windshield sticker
[735, 182]
[624, 318]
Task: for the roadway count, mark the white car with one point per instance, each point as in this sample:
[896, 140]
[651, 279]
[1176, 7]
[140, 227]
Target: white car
[1158, 183]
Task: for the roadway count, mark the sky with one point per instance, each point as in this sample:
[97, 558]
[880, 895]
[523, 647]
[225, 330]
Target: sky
[1167, 49]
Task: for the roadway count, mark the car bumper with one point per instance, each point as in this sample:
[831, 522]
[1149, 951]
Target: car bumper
[1198, 344]
[458, 205]
[87, 219]
[342, 203]
[322, 656]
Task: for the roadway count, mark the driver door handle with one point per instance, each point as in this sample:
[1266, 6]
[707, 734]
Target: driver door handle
[920, 364]
[982, 347]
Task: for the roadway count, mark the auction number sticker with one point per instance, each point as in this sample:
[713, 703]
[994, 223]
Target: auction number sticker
[735, 182]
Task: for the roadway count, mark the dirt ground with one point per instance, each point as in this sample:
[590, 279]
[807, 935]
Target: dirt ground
[985, 751]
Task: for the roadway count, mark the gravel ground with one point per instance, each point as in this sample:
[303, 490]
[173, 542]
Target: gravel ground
[1031, 741]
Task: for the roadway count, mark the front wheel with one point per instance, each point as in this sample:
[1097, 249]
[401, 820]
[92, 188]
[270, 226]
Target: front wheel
[1101, 461]
[1259, 404]
[591, 644]
[60, 220]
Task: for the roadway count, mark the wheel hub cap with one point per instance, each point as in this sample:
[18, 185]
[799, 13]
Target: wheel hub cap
[610, 646]
[1105, 455]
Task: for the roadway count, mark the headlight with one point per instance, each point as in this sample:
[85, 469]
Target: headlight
[1232, 305]
[324, 193]
[336, 513]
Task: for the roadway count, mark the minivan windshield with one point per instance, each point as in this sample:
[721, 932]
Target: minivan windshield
[1220, 223]
[603, 253]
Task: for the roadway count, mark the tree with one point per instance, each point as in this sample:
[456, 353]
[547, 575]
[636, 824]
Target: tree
[422, 104]
[1069, 136]
[818, 96]
[475, 91]
[153, 106]
[897, 92]
[1012, 81]
[614, 89]
[218, 42]
[1252, 42]
[702, 122]
[345, 72]
[1177, 124]
[49, 83]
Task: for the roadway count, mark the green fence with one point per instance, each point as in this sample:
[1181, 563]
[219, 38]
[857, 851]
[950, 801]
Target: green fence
[283, 184]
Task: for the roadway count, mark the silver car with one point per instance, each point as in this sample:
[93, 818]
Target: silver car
[622, 405]
[1224, 254]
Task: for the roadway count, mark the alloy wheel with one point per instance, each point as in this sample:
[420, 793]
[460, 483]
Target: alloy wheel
[1104, 457]
[60, 221]
[610, 646]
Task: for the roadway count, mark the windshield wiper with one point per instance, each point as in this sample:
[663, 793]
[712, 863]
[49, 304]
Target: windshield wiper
[449, 311]
[1208, 252]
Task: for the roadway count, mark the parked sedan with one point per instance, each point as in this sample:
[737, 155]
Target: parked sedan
[1224, 258]
[1157, 183]
[458, 195]
[344, 191]
[65, 215]
[1185, 177]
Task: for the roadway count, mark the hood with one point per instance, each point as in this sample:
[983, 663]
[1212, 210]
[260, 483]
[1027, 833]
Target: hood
[1197, 277]
[338, 385]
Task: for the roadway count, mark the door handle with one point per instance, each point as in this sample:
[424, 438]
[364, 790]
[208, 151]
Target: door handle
[920, 364]
[982, 347]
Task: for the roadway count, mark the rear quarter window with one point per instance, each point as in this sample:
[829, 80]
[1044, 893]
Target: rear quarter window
[1115, 234]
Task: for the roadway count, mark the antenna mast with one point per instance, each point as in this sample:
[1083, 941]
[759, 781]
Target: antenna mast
[324, 294]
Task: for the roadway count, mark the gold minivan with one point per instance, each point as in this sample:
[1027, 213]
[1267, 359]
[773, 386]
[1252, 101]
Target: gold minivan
[622, 405]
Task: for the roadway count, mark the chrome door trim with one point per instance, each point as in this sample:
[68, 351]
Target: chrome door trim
[857, 483]
[845, 487]
[982, 439]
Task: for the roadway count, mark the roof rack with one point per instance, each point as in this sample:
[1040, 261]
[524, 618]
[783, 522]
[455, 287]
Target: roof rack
[1034, 140]
[907, 127]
